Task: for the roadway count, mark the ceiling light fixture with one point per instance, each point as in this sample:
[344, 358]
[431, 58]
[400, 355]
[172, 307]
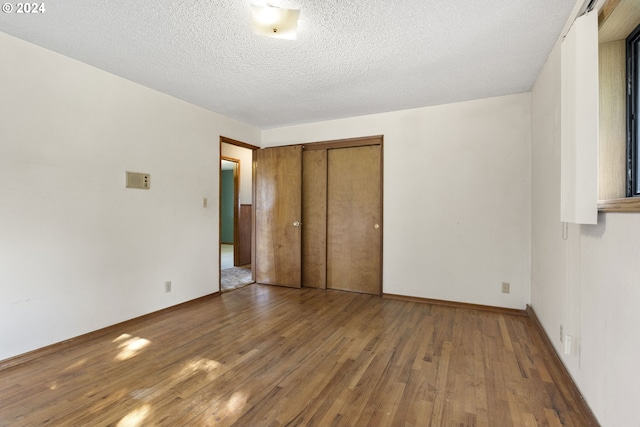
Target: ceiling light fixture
[273, 21]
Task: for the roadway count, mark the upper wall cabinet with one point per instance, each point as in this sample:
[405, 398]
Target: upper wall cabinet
[579, 109]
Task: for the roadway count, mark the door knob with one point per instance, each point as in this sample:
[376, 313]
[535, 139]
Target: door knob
[297, 224]
[376, 226]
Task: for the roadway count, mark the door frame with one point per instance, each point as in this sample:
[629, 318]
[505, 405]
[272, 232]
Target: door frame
[359, 142]
[236, 203]
[253, 148]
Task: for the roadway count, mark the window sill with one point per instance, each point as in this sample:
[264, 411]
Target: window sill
[628, 204]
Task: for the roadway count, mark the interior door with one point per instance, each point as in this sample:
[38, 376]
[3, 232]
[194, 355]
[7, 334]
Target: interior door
[354, 214]
[278, 212]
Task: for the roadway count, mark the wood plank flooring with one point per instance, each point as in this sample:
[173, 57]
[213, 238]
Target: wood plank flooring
[271, 356]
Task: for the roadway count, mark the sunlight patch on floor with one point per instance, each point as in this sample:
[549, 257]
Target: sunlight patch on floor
[130, 346]
[73, 367]
[172, 384]
[144, 394]
[226, 413]
[76, 365]
[136, 417]
[196, 365]
[237, 402]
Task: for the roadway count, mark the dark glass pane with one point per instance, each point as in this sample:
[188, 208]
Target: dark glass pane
[636, 128]
[633, 149]
[633, 106]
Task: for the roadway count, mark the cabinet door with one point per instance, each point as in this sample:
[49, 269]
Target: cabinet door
[354, 215]
[278, 214]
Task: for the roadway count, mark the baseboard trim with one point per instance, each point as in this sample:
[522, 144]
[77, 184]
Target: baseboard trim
[80, 339]
[455, 304]
[574, 393]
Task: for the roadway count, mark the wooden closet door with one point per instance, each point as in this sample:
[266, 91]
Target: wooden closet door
[354, 214]
[314, 219]
[278, 214]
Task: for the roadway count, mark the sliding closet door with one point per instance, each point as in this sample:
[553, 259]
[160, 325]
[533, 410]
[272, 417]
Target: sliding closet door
[354, 214]
[278, 214]
[314, 218]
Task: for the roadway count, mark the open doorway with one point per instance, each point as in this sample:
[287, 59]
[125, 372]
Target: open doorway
[236, 214]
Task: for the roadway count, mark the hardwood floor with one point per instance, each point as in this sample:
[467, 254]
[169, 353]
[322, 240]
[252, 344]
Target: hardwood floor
[271, 356]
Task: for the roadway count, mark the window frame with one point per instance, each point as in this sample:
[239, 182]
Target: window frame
[633, 89]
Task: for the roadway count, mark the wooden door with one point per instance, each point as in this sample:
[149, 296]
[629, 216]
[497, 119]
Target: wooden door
[243, 239]
[278, 214]
[354, 214]
[314, 218]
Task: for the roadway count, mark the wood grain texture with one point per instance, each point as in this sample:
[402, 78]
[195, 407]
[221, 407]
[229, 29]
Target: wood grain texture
[224, 139]
[244, 235]
[278, 204]
[613, 121]
[314, 219]
[455, 304]
[354, 219]
[605, 12]
[618, 19]
[565, 381]
[629, 204]
[344, 143]
[268, 356]
[84, 338]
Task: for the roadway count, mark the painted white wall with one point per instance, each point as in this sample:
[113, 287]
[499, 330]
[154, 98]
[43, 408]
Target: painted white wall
[456, 196]
[78, 251]
[549, 250]
[589, 283]
[246, 182]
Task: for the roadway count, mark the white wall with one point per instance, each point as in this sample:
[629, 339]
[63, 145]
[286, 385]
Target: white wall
[246, 181]
[78, 251]
[456, 196]
[589, 283]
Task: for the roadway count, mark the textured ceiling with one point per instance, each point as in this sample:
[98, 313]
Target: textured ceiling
[352, 57]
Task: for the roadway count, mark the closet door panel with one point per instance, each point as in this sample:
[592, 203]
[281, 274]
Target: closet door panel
[278, 212]
[354, 219]
[314, 219]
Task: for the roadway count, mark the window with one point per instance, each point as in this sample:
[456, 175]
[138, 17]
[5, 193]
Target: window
[633, 89]
[619, 156]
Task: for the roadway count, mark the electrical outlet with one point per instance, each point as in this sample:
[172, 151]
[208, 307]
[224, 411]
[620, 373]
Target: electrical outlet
[506, 287]
[167, 286]
[205, 202]
[561, 334]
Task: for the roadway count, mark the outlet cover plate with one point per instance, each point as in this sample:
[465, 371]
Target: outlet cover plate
[506, 287]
